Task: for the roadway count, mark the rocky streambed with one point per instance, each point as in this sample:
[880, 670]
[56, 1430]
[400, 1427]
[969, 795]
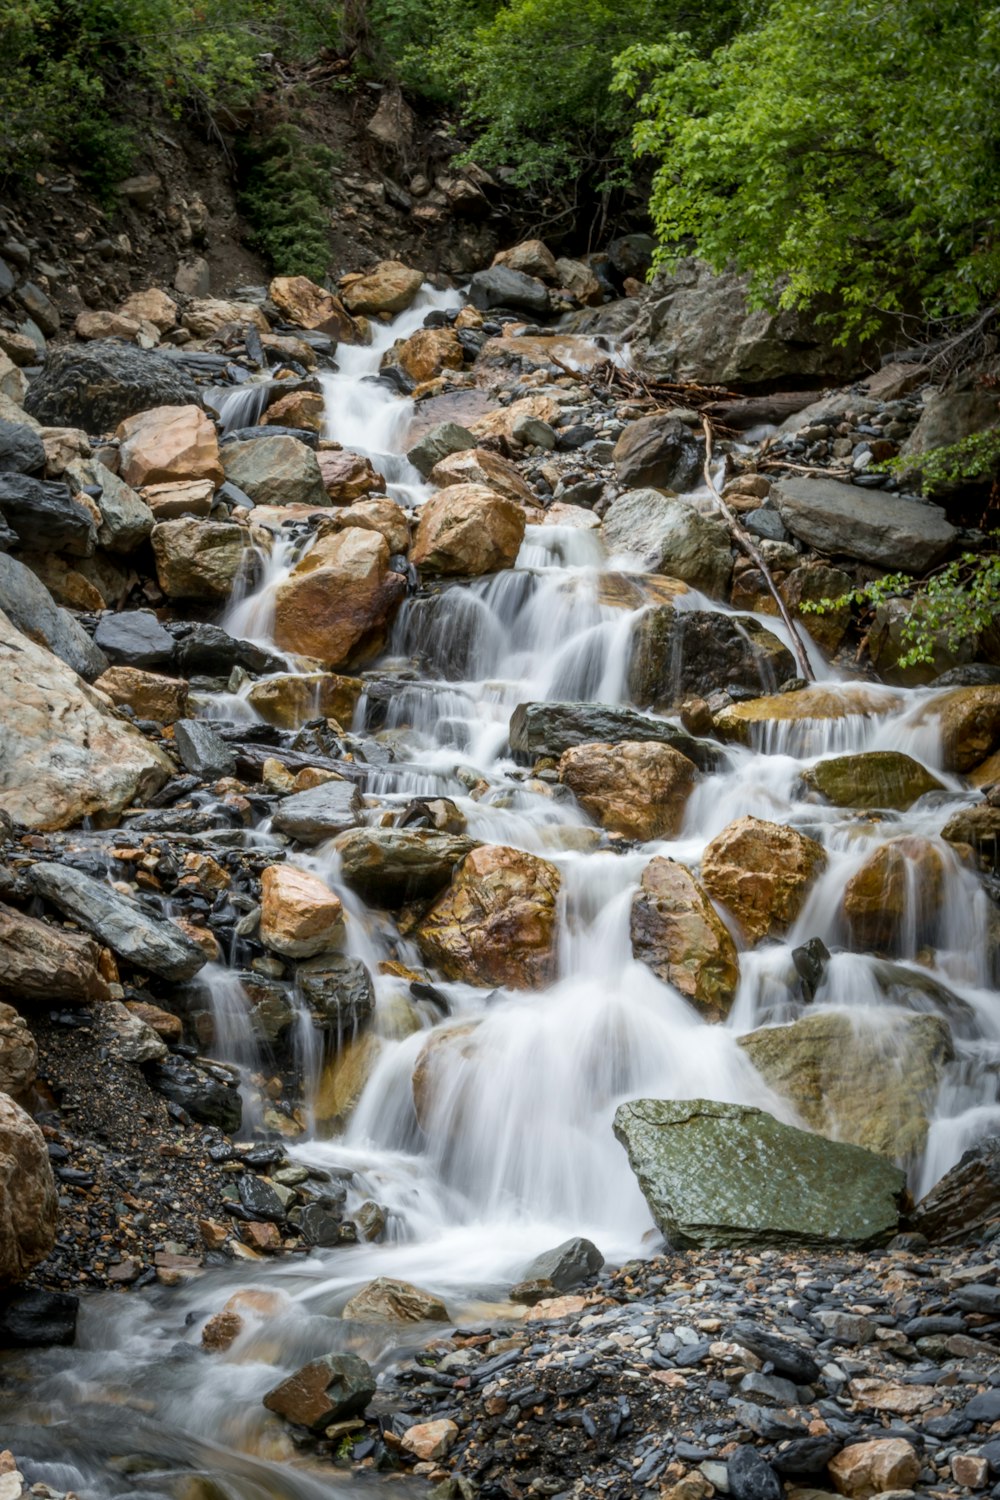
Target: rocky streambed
[472, 1009]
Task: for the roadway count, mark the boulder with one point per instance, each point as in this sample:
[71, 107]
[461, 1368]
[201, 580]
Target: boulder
[501, 286]
[147, 694]
[391, 866]
[28, 1204]
[21, 449]
[950, 413]
[275, 471]
[658, 450]
[209, 1093]
[875, 1467]
[481, 467]
[979, 827]
[579, 280]
[530, 257]
[429, 1442]
[963, 1202]
[213, 651]
[206, 317]
[679, 654]
[761, 872]
[45, 517]
[63, 755]
[638, 789]
[549, 729]
[18, 1055]
[567, 1266]
[41, 963]
[778, 721]
[204, 753]
[128, 1037]
[153, 944]
[389, 288]
[310, 306]
[126, 519]
[468, 530]
[876, 778]
[892, 903]
[379, 514]
[969, 719]
[677, 932]
[199, 559]
[427, 353]
[167, 444]
[99, 324]
[325, 1391]
[151, 306]
[29, 607]
[697, 326]
[500, 423]
[319, 813]
[496, 922]
[855, 1077]
[438, 443]
[670, 536]
[347, 476]
[386, 1300]
[303, 410]
[339, 992]
[339, 600]
[95, 386]
[720, 1176]
[183, 497]
[300, 916]
[873, 526]
[343, 1080]
[135, 638]
[289, 699]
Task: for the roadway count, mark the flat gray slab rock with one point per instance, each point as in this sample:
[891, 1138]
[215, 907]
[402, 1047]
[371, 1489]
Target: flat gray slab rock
[319, 813]
[874, 527]
[718, 1175]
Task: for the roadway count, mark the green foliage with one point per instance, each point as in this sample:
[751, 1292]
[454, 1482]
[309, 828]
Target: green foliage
[286, 197]
[840, 149]
[970, 460]
[958, 603]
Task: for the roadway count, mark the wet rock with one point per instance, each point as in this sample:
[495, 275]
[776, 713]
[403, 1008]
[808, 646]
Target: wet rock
[150, 696]
[429, 1441]
[783, 721]
[208, 1093]
[38, 1319]
[275, 471]
[979, 827]
[638, 790]
[199, 559]
[966, 1198]
[550, 729]
[496, 922]
[339, 991]
[324, 1391]
[289, 700]
[98, 385]
[155, 945]
[894, 899]
[677, 932]
[167, 444]
[347, 476]
[28, 1203]
[658, 450]
[530, 257]
[681, 654]
[126, 519]
[865, 1469]
[128, 1037]
[29, 606]
[427, 353]
[501, 286]
[44, 964]
[761, 872]
[201, 750]
[343, 1081]
[787, 1357]
[377, 514]
[318, 814]
[310, 306]
[889, 531]
[18, 1055]
[21, 449]
[725, 1174]
[670, 536]
[969, 720]
[390, 866]
[877, 778]
[300, 916]
[135, 638]
[63, 755]
[212, 652]
[568, 1265]
[468, 530]
[866, 1082]
[386, 1300]
[390, 288]
[44, 516]
[751, 1477]
[481, 467]
[339, 600]
[443, 439]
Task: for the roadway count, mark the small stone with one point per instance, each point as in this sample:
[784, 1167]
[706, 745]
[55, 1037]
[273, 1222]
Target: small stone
[427, 1440]
[970, 1470]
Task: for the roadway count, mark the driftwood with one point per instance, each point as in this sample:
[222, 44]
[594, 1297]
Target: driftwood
[746, 543]
[742, 412]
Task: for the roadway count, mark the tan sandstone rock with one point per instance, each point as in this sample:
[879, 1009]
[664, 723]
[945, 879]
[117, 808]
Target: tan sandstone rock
[427, 353]
[151, 306]
[287, 700]
[347, 476]
[42, 963]
[895, 896]
[638, 789]
[389, 288]
[386, 1300]
[300, 916]
[467, 530]
[676, 930]
[199, 559]
[151, 695]
[169, 443]
[18, 1055]
[28, 1203]
[865, 1469]
[480, 466]
[310, 306]
[761, 873]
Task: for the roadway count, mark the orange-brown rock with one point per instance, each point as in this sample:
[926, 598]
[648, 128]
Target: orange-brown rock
[207, 316]
[163, 1022]
[386, 1300]
[179, 497]
[638, 789]
[467, 530]
[310, 306]
[347, 476]
[430, 1440]
[28, 1203]
[289, 699]
[94, 324]
[579, 280]
[149, 694]
[303, 409]
[970, 724]
[337, 603]
[376, 514]
[496, 922]
[678, 933]
[389, 288]
[300, 916]
[199, 559]
[893, 900]
[761, 873]
[151, 306]
[500, 423]
[871, 1468]
[169, 443]
[426, 353]
[531, 257]
[247, 1306]
[480, 466]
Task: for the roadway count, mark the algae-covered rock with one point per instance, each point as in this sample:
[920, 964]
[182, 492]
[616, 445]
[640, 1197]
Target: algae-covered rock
[877, 778]
[718, 1175]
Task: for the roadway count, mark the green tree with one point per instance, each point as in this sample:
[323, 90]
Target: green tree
[837, 148]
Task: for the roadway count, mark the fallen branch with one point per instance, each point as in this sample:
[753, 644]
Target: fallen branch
[746, 543]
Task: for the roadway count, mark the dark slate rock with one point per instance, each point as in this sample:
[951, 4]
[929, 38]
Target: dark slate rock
[676, 655]
[979, 1298]
[135, 638]
[212, 652]
[751, 1477]
[45, 517]
[319, 813]
[201, 750]
[209, 1097]
[339, 991]
[771, 1390]
[31, 609]
[259, 1199]
[547, 729]
[568, 1265]
[36, 1319]
[97, 385]
[502, 287]
[21, 449]
[318, 1225]
[807, 1455]
[985, 1407]
[787, 1357]
[976, 674]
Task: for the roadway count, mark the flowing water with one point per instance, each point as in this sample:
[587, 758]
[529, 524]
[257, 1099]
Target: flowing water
[514, 1151]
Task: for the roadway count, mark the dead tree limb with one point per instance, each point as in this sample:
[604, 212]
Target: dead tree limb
[746, 543]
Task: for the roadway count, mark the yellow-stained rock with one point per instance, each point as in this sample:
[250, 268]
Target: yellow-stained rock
[761, 873]
[300, 916]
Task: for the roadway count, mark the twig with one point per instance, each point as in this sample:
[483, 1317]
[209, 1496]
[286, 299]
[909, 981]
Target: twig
[745, 541]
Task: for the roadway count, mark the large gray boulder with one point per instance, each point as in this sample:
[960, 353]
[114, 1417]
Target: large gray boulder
[886, 530]
[277, 470]
[680, 653]
[154, 944]
[502, 287]
[547, 729]
[951, 414]
[658, 450]
[95, 386]
[21, 449]
[31, 609]
[720, 1175]
[697, 326]
[319, 813]
[672, 537]
[45, 517]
